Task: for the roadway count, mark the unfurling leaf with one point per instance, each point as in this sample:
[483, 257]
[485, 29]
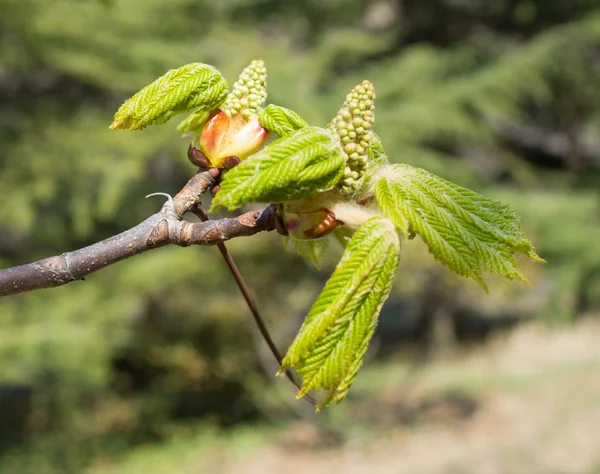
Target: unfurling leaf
[464, 230]
[310, 250]
[192, 86]
[376, 159]
[194, 122]
[280, 120]
[343, 235]
[300, 165]
[332, 342]
[376, 150]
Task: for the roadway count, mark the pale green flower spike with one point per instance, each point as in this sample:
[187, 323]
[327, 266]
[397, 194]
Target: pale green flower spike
[353, 125]
[249, 92]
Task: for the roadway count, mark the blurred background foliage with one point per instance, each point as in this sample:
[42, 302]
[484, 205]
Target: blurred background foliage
[498, 95]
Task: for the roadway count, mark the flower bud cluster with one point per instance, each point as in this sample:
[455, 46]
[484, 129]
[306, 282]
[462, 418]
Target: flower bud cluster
[353, 125]
[249, 92]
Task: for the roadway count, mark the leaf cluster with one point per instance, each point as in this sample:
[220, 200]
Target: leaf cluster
[307, 171]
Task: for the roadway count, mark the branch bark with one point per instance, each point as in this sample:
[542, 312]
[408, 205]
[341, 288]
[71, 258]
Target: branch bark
[163, 228]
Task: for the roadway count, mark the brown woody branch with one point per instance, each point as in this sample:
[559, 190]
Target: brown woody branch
[163, 228]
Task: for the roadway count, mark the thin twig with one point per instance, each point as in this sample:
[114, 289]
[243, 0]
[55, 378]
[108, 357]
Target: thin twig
[245, 290]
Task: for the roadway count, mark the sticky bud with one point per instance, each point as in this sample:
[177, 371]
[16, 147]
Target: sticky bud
[223, 136]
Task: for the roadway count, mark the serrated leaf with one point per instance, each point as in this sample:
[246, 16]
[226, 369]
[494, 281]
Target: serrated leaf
[464, 230]
[305, 163]
[191, 86]
[280, 120]
[332, 342]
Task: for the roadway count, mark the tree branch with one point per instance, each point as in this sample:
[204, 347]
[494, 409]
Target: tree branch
[163, 228]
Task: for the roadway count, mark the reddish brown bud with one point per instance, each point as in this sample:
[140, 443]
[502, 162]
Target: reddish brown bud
[215, 190]
[223, 136]
[198, 158]
[231, 162]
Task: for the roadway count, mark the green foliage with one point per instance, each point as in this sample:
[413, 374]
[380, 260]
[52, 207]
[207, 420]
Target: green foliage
[443, 92]
[310, 250]
[300, 165]
[180, 90]
[194, 122]
[376, 159]
[343, 235]
[281, 121]
[331, 344]
[464, 230]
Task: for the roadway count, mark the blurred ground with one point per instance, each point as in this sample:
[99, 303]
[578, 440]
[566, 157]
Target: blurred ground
[529, 403]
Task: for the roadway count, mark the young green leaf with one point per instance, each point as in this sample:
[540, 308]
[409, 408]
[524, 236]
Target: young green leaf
[376, 150]
[310, 250]
[191, 86]
[280, 120]
[194, 122]
[305, 163]
[332, 342]
[464, 230]
[376, 159]
[343, 235]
